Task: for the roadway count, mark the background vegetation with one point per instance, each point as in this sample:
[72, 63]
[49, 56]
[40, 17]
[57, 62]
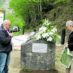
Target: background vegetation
[28, 14]
[1, 2]
[31, 12]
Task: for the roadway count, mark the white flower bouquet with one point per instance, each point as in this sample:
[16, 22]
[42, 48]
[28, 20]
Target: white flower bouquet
[47, 31]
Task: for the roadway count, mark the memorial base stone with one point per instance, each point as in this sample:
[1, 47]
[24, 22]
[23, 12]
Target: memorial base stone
[38, 55]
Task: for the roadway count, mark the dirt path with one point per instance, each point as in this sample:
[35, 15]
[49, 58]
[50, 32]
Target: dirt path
[15, 62]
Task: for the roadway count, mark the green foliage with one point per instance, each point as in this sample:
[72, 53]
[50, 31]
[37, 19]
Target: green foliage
[27, 9]
[62, 1]
[23, 7]
[15, 21]
[31, 11]
[1, 3]
[61, 13]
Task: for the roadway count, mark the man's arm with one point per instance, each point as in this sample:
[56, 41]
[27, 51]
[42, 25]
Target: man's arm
[4, 40]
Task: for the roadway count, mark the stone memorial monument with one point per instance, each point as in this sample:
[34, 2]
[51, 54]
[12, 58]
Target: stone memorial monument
[38, 55]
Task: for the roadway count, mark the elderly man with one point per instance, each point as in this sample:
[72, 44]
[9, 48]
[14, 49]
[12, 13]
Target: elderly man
[5, 46]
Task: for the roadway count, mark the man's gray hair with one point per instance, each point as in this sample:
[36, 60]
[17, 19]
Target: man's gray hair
[70, 22]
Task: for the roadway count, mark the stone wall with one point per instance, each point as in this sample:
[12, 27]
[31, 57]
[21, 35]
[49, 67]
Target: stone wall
[38, 60]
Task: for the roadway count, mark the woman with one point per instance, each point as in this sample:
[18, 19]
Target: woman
[69, 27]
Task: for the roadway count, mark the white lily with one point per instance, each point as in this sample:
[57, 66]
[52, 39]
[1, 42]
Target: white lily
[43, 28]
[38, 37]
[46, 22]
[51, 33]
[54, 29]
[49, 39]
[47, 31]
[44, 35]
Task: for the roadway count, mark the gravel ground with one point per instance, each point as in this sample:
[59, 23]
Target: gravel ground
[15, 62]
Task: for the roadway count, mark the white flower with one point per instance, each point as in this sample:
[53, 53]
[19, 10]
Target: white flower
[46, 22]
[54, 29]
[39, 33]
[47, 31]
[44, 35]
[51, 33]
[42, 29]
[37, 36]
[49, 39]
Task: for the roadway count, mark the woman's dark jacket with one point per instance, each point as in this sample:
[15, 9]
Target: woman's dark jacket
[5, 41]
[70, 42]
